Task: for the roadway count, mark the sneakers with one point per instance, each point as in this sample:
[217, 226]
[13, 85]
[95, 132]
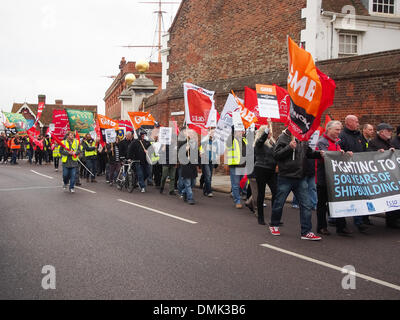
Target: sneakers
[238, 206]
[72, 190]
[310, 236]
[143, 190]
[191, 202]
[65, 187]
[295, 206]
[210, 195]
[274, 231]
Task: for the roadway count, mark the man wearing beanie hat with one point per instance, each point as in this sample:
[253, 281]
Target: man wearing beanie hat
[396, 139]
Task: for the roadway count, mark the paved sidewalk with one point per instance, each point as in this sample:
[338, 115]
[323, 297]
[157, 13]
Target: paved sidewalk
[222, 183]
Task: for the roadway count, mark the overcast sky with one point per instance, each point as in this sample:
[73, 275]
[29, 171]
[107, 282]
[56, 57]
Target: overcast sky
[63, 48]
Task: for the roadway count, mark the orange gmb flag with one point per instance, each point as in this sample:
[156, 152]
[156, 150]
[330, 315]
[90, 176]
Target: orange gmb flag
[248, 117]
[311, 92]
[140, 119]
[107, 123]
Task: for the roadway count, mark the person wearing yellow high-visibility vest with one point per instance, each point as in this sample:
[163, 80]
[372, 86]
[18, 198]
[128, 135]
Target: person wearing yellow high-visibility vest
[29, 150]
[69, 159]
[56, 155]
[235, 154]
[90, 149]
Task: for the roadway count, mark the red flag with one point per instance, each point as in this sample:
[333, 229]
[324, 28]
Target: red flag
[98, 133]
[311, 92]
[198, 104]
[284, 104]
[33, 135]
[175, 125]
[58, 141]
[251, 103]
[39, 114]
[243, 181]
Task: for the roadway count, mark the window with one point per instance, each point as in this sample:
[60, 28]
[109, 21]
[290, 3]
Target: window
[348, 45]
[383, 6]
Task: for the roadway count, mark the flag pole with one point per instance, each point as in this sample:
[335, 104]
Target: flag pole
[294, 150]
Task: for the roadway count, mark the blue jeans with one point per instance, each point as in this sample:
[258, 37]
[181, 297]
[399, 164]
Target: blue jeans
[69, 176]
[30, 155]
[207, 170]
[91, 165]
[186, 187]
[14, 156]
[143, 172]
[235, 184]
[312, 191]
[300, 189]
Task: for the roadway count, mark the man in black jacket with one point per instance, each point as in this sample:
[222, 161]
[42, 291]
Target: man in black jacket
[396, 139]
[351, 140]
[124, 145]
[291, 156]
[381, 143]
[138, 151]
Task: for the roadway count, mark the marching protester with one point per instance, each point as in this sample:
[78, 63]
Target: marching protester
[15, 146]
[291, 177]
[381, 143]
[367, 135]
[396, 139]
[138, 151]
[236, 153]
[113, 156]
[209, 158]
[56, 155]
[69, 160]
[351, 140]
[168, 158]
[29, 150]
[90, 151]
[264, 168]
[188, 160]
[328, 142]
[3, 147]
[124, 145]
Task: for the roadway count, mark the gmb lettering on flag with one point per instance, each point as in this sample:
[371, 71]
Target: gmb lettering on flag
[141, 119]
[107, 123]
[311, 92]
[365, 184]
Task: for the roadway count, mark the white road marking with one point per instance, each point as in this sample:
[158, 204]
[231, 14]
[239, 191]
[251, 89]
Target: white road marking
[158, 211]
[331, 266]
[29, 188]
[85, 189]
[41, 174]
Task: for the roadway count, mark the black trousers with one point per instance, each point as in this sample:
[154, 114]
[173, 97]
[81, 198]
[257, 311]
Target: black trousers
[323, 209]
[157, 174]
[263, 177]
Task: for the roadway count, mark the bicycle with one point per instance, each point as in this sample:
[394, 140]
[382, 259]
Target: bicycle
[127, 176]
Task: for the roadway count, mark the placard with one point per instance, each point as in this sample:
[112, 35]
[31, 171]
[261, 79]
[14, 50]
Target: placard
[267, 101]
[165, 135]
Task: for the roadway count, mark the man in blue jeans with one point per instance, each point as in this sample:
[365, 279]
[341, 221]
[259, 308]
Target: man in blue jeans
[137, 150]
[69, 159]
[209, 158]
[291, 177]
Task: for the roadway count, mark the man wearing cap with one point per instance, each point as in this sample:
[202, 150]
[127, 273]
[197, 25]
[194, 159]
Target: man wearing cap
[381, 143]
[383, 138]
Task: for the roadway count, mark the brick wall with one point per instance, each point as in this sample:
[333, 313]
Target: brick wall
[213, 40]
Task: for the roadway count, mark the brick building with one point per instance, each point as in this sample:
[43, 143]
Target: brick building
[222, 45]
[29, 111]
[112, 102]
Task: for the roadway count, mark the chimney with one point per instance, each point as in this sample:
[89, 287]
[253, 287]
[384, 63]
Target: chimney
[59, 102]
[42, 98]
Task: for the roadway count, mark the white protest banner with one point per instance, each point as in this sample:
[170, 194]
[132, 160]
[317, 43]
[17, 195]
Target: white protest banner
[366, 183]
[314, 139]
[237, 121]
[165, 135]
[111, 135]
[267, 101]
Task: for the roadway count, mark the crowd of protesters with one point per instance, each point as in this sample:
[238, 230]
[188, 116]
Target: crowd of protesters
[286, 165]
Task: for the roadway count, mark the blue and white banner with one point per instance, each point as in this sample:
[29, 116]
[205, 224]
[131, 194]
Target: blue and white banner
[366, 183]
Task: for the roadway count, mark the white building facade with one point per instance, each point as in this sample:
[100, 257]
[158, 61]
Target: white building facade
[329, 34]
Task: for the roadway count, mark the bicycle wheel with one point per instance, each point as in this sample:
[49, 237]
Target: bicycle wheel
[129, 183]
